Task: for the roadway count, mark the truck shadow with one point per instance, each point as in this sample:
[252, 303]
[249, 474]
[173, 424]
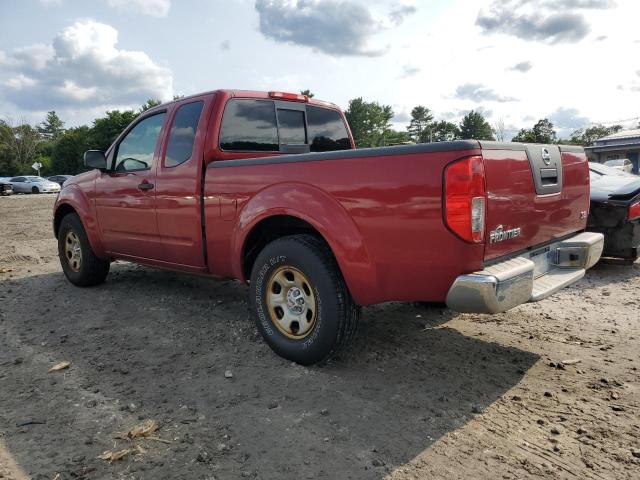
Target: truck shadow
[151, 344]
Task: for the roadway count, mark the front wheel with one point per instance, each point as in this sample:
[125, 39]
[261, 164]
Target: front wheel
[80, 265]
[300, 301]
[35, 190]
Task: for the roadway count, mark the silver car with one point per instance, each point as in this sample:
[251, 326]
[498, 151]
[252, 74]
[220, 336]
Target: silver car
[33, 184]
[623, 164]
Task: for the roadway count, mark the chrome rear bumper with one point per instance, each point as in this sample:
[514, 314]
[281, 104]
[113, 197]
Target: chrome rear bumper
[527, 278]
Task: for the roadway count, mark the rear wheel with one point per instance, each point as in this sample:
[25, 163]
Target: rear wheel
[300, 301]
[35, 190]
[80, 264]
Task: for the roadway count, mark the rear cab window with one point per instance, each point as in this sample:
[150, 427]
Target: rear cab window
[256, 125]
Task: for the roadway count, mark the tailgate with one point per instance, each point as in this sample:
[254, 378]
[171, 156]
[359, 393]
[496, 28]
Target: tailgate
[535, 194]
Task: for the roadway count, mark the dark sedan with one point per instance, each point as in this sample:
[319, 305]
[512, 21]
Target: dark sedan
[59, 179]
[5, 187]
[615, 211]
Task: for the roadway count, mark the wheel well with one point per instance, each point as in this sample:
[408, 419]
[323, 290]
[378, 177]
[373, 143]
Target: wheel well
[62, 211]
[268, 230]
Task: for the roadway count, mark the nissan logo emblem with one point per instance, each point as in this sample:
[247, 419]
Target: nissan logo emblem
[546, 156]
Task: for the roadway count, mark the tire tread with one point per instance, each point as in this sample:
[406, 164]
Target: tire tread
[350, 312]
[94, 269]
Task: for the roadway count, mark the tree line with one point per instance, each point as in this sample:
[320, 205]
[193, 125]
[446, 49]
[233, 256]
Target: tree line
[60, 149]
[371, 126]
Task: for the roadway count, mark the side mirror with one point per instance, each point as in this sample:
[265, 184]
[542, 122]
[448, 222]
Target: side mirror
[95, 159]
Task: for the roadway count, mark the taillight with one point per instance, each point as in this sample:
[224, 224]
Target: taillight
[634, 211]
[465, 198]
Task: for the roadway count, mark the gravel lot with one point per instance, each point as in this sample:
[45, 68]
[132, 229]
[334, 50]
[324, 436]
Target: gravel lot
[423, 393]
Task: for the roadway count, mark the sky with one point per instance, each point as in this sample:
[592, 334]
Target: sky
[576, 62]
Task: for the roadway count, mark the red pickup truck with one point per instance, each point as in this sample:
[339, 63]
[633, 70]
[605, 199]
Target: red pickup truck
[268, 188]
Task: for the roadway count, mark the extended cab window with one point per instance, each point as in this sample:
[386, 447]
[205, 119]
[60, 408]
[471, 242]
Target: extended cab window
[183, 134]
[326, 130]
[136, 150]
[249, 125]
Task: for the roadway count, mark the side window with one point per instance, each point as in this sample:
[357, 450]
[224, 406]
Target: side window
[183, 134]
[291, 127]
[326, 130]
[136, 150]
[249, 125]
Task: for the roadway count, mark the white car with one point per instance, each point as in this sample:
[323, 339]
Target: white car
[33, 184]
[623, 164]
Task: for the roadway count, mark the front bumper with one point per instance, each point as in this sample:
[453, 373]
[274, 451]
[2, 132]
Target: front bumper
[526, 278]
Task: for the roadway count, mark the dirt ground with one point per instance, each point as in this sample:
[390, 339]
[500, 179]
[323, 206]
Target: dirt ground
[423, 393]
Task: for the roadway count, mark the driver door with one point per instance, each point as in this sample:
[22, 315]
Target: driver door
[125, 195]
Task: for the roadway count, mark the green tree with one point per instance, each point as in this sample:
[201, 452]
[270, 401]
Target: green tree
[474, 126]
[8, 166]
[307, 92]
[68, 151]
[525, 135]
[586, 136]
[444, 131]
[152, 102]
[106, 129]
[542, 132]
[369, 122]
[396, 137]
[19, 145]
[419, 128]
[52, 127]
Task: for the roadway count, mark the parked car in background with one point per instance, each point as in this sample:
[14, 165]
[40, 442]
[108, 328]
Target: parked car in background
[33, 184]
[615, 211]
[623, 164]
[59, 179]
[268, 188]
[5, 187]
[602, 169]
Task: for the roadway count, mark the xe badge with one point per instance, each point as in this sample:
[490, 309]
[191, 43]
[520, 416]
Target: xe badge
[500, 234]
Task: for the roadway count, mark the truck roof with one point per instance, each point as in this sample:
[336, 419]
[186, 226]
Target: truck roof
[247, 94]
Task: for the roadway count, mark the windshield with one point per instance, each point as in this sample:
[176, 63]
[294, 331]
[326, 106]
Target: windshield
[36, 179]
[606, 170]
[614, 163]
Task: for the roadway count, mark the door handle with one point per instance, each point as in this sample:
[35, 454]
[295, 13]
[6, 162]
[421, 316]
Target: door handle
[145, 186]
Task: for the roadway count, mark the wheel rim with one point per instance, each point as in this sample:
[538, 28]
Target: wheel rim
[291, 302]
[73, 251]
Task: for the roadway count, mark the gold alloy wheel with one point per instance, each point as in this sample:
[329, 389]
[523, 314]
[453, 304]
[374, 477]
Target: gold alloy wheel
[291, 302]
[73, 251]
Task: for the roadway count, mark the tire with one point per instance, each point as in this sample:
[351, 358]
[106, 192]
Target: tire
[87, 269]
[294, 267]
[35, 190]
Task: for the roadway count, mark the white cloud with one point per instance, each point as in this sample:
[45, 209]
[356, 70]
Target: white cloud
[82, 66]
[478, 92]
[334, 27]
[33, 57]
[154, 8]
[20, 82]
[409, 71]
[549, 21]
